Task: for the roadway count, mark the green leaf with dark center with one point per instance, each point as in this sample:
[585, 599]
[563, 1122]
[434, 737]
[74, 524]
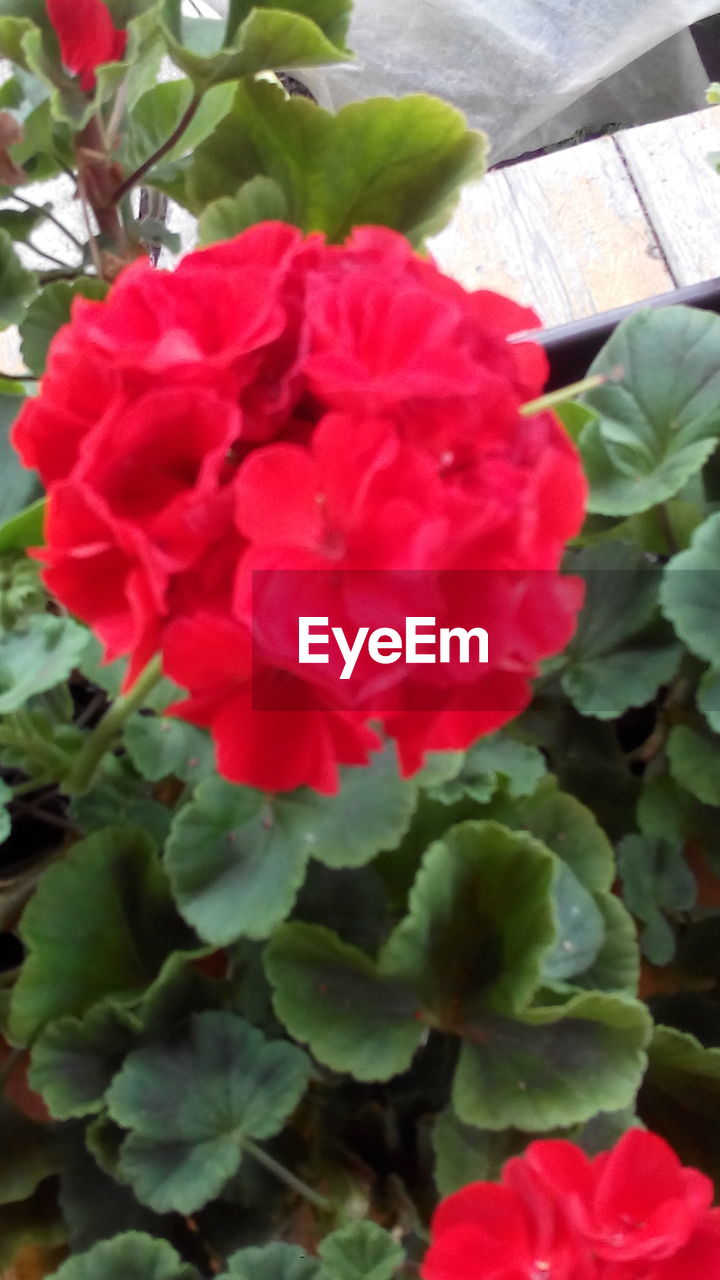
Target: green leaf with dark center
[190, 1104]
[330, 996]
[480, 923]
[110, 891]
[394, 162]
[658, 425]
[554, 1066]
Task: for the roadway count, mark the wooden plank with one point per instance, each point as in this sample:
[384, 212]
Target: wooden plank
[565, 234]
[680, 190]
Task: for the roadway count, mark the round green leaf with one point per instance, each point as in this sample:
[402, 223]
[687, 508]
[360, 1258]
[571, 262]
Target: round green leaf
[660, 422]
[255, 847]
[101, 922]
[690, 592]
[330, 996]
[480, 923]
[273, 1261]
[37, 657]
[695, 763]
[190, 1104]
[361, 1251]
[557, 1066]
[130, 1256]
[580, 928]
[162, 746]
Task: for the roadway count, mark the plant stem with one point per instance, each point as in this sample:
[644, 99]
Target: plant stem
[49, 217]
[162, 150]
[49, 257]
[668, 532]
[104, 734]
[563, 394]
[284, 1175]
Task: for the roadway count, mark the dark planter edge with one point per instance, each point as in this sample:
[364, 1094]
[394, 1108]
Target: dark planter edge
[572, 347]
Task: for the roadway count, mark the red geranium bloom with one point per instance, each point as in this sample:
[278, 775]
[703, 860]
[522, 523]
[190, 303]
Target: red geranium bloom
[87, 37]
[634, 1203]
[281, 405]
[508, 1232]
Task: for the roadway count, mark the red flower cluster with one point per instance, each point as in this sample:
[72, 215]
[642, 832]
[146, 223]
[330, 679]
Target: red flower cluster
[633, 1213]
[284, 405]
[86, 36]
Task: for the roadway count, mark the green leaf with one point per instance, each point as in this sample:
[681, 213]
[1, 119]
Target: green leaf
[332, 16]
[74, 1059]
[97, 1207]
[37, 657]
[29, 1153]
[680, 1097]
[617, 965]
[259, 200]
[602, 674]
[695, 763]
[266, 39]
[657, 426]
[655, 879]
[273, 1261]
[394, 162]
[708, 698]
[555, 1066]
[157, 114]
[112, 892]
[256, 847]
[35, 1221]
[480, 923]
[330, 996]
[19, 486]
[24, 529]
[49, 312]
[17, 285]
[494, 763]
[190, 1105]
[130, 1256]
[565, 826]
[690, 592]
[464, 1153]
[163, 747]
[5, 819]
[580, 928]
[360, 1251]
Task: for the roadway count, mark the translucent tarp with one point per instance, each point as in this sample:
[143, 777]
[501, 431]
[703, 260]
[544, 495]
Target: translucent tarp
[527, 71]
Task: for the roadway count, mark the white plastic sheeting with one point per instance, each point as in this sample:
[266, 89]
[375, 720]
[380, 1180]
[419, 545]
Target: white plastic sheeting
[529, 72]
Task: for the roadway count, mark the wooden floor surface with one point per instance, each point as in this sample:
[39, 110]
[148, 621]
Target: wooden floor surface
[593, 227]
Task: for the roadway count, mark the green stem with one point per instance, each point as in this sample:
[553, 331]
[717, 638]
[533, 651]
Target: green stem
[284, 1175]
[49, 217]
[563, 394]
[133, 178]
[106, 731]
[668, 532]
